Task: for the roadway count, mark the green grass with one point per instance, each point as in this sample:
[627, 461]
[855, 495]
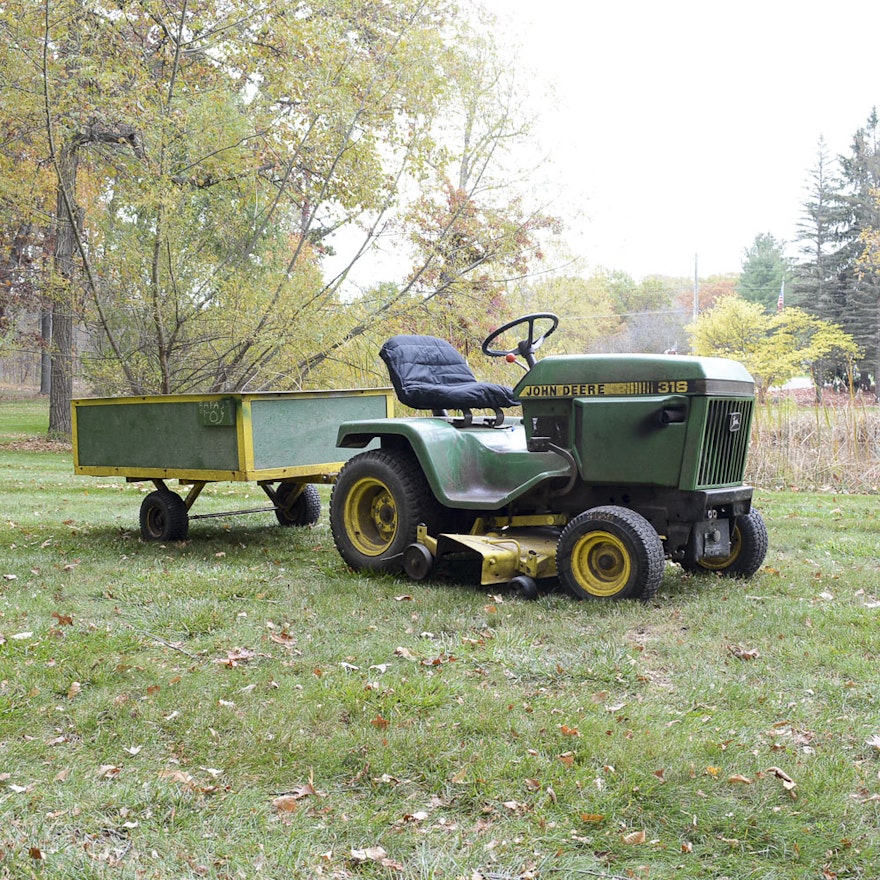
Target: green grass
[156, 700]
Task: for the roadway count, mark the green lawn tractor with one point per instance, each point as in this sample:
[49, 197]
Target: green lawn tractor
[618, 463]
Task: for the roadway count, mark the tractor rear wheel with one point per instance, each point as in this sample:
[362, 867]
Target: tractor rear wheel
[379, 500]
[748, 547]
[610, 553]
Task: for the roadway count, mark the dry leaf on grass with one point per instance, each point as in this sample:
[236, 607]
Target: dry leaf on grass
[743, 653]
[289, 802]
[787, 782]
[375, 854]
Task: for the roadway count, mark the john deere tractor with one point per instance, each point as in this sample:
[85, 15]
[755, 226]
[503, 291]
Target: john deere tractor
[617, 464]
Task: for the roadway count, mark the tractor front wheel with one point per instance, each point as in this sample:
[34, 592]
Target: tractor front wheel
[748, 547]
[379, 500]
[610, 553]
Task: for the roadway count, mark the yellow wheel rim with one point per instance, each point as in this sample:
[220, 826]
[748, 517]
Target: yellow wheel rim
[370, 517]
[720, 563]
[601, 564]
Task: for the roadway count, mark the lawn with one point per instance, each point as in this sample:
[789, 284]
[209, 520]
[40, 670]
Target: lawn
[241, 705]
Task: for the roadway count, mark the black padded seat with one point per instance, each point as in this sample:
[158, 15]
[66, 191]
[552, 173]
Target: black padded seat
[428, 373]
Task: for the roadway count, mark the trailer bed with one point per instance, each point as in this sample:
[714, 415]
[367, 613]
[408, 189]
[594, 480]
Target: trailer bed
[282, 440]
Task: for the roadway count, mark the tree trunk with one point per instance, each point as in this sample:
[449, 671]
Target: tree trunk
[46, 351]
[63, 350]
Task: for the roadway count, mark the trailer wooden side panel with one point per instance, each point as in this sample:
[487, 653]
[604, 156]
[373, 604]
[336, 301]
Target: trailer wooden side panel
[214, 437]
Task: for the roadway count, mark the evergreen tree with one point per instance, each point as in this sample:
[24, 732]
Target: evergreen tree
[817, 285]
[764, 270]
[861, 178]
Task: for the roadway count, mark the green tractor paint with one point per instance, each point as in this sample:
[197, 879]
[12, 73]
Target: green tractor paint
[618, 463]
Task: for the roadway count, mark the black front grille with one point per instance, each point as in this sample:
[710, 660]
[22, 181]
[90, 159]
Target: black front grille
[725, 443]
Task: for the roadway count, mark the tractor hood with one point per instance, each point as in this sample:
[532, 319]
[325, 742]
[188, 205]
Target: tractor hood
[607, 375]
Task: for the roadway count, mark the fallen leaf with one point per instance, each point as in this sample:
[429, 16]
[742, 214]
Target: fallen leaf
[370, 854]
[108, 771]
[874, 741]
[376, 854]
[74, 689]
[236, 656]
[738, 777]
[743, 653]
[634, 837]
[569, 731]
[379, 722]
[287, 803]
[787, 782]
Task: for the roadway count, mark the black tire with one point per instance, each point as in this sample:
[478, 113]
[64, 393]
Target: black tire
[297, 508]
[610, 553]
[523, 587]
[164, 517]
[748, 547]
[379, 500]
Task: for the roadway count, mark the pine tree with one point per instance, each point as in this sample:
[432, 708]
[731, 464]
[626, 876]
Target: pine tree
[860, 282]
[816, 283]
[764, 270]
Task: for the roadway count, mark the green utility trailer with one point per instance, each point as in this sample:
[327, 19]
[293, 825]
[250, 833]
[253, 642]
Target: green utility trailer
[284, 441]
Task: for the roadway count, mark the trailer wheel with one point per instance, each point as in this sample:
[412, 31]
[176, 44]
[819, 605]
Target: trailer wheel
[610, 553]
[297, 504]
[748, 547]
[380, 498]
[164, 517]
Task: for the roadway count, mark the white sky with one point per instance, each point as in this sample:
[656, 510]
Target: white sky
[682, 128]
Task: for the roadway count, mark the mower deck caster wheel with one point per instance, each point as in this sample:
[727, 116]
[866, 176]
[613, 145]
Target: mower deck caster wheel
[523, 587]
[417, 561]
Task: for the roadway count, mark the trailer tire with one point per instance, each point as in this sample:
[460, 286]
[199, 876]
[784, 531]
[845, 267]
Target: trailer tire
[610, 553]
[164, 517]
[378, 502]
[748, 547]
[297, 508]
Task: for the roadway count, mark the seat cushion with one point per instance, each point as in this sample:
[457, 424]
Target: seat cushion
[428, 373]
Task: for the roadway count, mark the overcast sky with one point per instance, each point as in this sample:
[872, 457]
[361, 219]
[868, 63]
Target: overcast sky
[683, 128]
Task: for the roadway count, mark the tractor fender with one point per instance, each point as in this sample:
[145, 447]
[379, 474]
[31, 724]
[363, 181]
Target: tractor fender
[479, 468]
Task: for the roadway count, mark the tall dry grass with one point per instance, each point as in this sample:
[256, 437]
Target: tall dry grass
[834, 444]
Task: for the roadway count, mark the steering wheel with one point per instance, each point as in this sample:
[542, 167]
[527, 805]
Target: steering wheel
[528, 346]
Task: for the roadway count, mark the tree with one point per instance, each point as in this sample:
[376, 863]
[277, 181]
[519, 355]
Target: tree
[773, 347]
[816, 283]
[710, 290]
[764, 271]
[861, 277]
[207, 157]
